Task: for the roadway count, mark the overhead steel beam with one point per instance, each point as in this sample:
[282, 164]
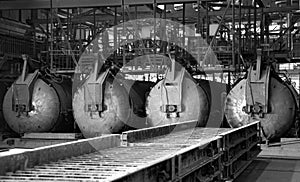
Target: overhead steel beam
[145, 14]
[91, 18]
[46, 4]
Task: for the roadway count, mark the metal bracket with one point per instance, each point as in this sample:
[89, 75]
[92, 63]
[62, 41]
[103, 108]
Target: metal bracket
[172, 92]
[93, 90]
[257, 89]
[22, 89]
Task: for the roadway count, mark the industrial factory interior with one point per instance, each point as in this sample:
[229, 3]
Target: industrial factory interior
[150, 90]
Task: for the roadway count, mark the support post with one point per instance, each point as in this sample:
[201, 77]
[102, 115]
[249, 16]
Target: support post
[22, 90]
[233, 36]
[257, 88]
[254, 27]
[94, 90]
[207, 23]
[172, 92]
[240, 36]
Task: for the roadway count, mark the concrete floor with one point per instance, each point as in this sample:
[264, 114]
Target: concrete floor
[273, 170]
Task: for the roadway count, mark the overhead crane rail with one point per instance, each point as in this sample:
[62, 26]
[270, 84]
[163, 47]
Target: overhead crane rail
[177, 152]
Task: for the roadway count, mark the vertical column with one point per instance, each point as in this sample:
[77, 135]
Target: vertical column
[164, 43]
[267, 18]
[115, 32]
[136, 25]
[154, 16]
[123, 32]
[198, 17]
[262, 26]
[183, 27]
[248, 31]
[240, 36]
[80, 31]
[51, 37]
[207, 23]
[34, 16]
[47, 39]
[233, 35]
[154, 33]
[254, 27]
[94, 22]
[289, 33]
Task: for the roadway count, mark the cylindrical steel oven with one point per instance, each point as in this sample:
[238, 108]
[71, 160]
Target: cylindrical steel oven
[51, 108]
[3, 89]
[194, 103]
[282, 108]
[123, 108]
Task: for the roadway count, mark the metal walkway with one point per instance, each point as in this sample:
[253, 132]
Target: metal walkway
[189, 154]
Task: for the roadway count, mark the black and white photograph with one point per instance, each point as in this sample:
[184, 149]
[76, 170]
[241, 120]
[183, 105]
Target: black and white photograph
[150, 90]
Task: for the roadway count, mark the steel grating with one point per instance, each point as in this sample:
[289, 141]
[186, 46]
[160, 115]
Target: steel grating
[186, 154]
[109, 164]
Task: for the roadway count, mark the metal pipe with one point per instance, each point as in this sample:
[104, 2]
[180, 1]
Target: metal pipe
[233, 35]
[136, 26]
[115, 32]
[248, 31]
[34, 16]
[154, 16]
[229, 85]
[47, 39]
[207, 23]
[51, 39]
[123, 31]
[164, 33]
[289, 37]
[69, 24]
[80, 31]
[267, 31]
[183, 22]
[255, 35]
[123, 16]
[198, 17]
[94, 22]
[240, 35]
[262, 26]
